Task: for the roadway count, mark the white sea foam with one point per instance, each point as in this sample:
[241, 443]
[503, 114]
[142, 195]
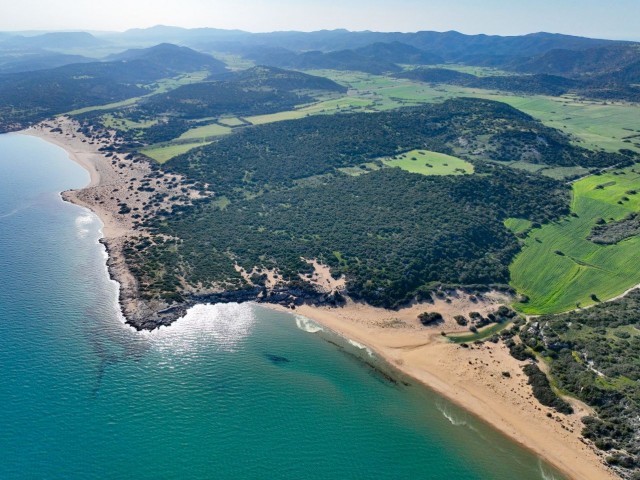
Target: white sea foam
[450, 416]
[360, 346]
[308, 325]
[546, 475]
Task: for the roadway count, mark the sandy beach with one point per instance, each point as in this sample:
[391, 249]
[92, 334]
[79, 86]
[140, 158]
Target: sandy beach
[115, 180]
[485, 380]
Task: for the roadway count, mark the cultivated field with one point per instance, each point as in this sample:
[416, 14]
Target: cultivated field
[559, 269]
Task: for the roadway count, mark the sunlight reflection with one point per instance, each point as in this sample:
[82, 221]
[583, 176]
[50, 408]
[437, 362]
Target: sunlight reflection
[222, 325]
[82, 224]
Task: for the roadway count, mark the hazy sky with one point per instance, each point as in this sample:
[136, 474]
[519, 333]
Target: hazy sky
[596, 18]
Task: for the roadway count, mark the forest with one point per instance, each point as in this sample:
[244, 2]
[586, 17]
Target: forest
[283, 153]
[280, 196]
[392, 233]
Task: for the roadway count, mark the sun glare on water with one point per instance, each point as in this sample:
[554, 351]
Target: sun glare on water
[223, 325]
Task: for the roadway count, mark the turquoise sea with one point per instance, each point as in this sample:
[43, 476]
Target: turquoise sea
[233, 391]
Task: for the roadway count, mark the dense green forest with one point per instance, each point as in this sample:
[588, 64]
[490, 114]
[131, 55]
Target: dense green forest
[393, 234]
[279, 154]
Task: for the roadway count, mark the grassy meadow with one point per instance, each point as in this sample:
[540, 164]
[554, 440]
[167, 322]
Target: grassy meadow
[559, 269]
[164, 153]
[606, 125]
[429, 163]
[200, 133]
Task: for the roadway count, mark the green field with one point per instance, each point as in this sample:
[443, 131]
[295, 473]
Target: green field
[517, 225]
[594, 124]
[477, 71]
[213, 130]
[231, 121]
[160, 86]
[196, 137]
[334, 105]
[164, 153]
[109, 106]
[233, 62]
[559, 173]
[429, 163]
[559, 269]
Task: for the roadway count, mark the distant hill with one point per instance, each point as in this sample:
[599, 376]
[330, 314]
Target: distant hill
[338, 60]
[176, 35]
[32, 96]
[424, 47]
[454, 46]
[30, 61]
[529, 84]
[451, 46]
[396, 52]
[610, 72]
[589, 62]
[29, 97]
[272, 77]
[53, 41]
[172, 57]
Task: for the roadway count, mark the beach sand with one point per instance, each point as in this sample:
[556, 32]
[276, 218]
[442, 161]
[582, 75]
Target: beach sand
[115, 179]
[471, 377]
[474, 378]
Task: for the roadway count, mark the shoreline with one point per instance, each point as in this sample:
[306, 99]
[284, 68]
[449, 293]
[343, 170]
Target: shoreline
[470, 377]
[80, 157]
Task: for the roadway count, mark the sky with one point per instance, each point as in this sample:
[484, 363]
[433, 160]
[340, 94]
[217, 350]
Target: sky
[593, 18]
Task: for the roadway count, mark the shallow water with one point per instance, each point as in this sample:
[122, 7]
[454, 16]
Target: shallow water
[231, 391]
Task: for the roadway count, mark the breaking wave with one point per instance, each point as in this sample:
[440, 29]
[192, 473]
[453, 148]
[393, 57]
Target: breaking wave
[307, 325]
[360, 346]
[546, 475]
[450, 416]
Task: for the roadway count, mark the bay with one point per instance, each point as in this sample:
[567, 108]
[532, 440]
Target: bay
[230, 391]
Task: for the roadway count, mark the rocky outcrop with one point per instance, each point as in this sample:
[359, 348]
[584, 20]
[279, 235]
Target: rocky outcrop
[148, 318]
[144, 314]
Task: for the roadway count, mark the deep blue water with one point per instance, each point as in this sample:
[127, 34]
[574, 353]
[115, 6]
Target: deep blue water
[232, 391]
